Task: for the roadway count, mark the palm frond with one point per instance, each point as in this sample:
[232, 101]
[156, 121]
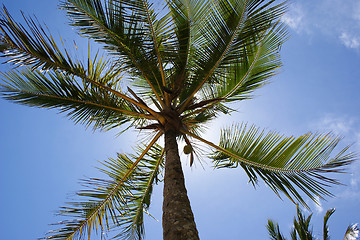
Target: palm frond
[87, 105]
[116, 203]
[325, 226]
[188, 17]
[352, 232]
[37, 49]
[231, 27]
[195, 121]
[142, 195]
[302, 230]
[253, 70]
[274, 231]
[285, 164]
[127, 28]
[31, 46]
[158, 34]
[155, 36]
[302, 226]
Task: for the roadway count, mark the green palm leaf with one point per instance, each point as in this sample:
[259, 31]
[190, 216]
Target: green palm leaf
[32, 46]
[303, 231]
[260, 62]
[38, 50]
[231, 26]
[302, 226]
[285, 164]
[118, 202]
[253, 70]
[274, 231]
[188, 17]
[181, 67]
[352, 232]
[128, 29]
[85, 104]
[325, 226]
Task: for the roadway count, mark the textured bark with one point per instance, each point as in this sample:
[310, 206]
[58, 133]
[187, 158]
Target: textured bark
[178, 219]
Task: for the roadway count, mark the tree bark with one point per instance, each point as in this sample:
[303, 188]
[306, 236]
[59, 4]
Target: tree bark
[178, 219]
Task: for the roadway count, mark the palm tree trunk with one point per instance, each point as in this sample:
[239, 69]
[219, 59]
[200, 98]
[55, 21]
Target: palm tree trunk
[178, 219]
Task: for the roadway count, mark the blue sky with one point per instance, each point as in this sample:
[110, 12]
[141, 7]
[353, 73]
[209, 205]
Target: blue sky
[43, 154]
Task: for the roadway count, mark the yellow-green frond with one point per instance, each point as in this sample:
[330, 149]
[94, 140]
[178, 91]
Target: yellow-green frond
[286, 164]
[117, 202]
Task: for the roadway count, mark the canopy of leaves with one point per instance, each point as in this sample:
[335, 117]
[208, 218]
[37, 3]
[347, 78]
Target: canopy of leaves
[183, 62]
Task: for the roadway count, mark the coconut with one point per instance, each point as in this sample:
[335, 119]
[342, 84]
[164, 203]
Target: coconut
[188, 149]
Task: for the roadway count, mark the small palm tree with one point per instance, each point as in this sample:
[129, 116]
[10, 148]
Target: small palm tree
[181, 67]
[302, 230]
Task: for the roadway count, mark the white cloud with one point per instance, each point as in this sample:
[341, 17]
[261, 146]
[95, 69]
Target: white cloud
[337, 19]
[354, 182]
[295, 18]
[350, 41]
[348, 128]
[338, 125]
[318, 207]
[349, 194]
[352, 191]
[343, 126]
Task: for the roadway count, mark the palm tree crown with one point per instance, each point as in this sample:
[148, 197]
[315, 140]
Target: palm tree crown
[182, 67]
[302, 229]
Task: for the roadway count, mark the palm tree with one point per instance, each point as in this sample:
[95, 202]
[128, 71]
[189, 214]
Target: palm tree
[183, 67]
[302, 231]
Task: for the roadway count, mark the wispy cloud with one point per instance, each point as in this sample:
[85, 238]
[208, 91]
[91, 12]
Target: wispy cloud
[356, 12]
[344, 126]
[340, 125]
[318, 207]
[350, 41]
[349, 193]
[352, 191]
[335, 18]
[350, 130]
[295, 18]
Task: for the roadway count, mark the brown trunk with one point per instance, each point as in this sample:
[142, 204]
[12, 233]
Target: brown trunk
[178, 219]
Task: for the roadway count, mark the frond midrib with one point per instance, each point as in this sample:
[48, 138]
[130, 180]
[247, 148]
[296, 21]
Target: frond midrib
[284, 170]
[127, 112]
[117, 186]
[154, 42]
[116, 38]
[248, 71]
[77, 71]
[229, 44]
[151, 179]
